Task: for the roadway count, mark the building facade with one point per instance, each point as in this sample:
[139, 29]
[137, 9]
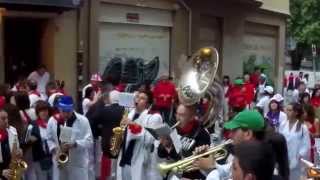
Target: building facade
[246, 33]
[79, 40]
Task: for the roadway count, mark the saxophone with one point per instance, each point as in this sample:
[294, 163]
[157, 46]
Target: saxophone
[17, 165]
[117, 137]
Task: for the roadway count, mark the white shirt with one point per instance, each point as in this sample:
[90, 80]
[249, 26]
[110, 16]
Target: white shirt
[33, 100]
[86, 103]
[298, 143]
[264, 104]
[84, 90]
[42, 82]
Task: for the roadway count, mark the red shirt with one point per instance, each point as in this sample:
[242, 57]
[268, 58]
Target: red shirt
[249, 92]
[237, 97]
[164, 93]
[254, 79]
[315, 102]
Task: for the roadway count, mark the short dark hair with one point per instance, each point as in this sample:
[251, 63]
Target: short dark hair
[42, 66]
[22, 100]
[149, 95]
[41, 106]
[258, 135]
[256, 158]
[88, 92]
[32, 85]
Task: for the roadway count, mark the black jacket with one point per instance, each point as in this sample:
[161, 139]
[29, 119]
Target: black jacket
[201, 137]
[91, 115]
[40, 149]
[107, 118]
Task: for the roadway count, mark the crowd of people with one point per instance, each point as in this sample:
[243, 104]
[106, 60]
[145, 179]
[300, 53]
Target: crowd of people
[270, 134]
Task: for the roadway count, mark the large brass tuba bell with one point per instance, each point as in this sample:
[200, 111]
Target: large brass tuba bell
[202, 68]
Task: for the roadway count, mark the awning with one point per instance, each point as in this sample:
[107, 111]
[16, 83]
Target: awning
[43, 3]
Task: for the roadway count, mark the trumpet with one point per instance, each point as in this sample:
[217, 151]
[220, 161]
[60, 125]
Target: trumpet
[312, 170]
[219, 152]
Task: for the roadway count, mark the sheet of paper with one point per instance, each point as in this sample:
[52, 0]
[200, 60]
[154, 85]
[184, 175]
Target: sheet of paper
[28, 133]
[158, 132]
[1, 159]
[126, 99]
[176, 140]
[65, 134]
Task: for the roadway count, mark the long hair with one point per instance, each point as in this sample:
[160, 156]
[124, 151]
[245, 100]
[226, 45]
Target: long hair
[311, 115]
[315, 91]
[297, 108]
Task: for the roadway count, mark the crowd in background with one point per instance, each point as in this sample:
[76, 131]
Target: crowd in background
[36, 107]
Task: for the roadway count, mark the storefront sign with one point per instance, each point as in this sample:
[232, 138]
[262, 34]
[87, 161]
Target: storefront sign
[133, 17]
[55, 3]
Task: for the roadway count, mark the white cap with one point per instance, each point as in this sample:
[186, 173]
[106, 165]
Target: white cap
[114, 96]
[277, 98]
[96, 77]
[268, 89]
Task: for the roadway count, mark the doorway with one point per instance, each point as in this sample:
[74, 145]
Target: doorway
[22, 47]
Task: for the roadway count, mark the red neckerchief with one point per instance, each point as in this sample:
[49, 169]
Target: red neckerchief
[58, 118]
[3, 135]
[41, 123]
[35, 93]
[27, 119]
[153, 111]
[187, 129]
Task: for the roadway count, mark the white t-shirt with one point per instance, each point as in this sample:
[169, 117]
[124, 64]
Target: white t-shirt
[33, 100]
[42, 82]
[86, 103]
[264, 104]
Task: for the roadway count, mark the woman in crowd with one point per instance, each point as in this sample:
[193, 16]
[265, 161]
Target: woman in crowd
[298, 139]
[312, 124]
[90, 98]
[305, 98]
[23, 103]
[315, 99]
[41, 156]
[275, 116]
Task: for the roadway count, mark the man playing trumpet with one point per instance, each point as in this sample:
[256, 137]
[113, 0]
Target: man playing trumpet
[192, 135]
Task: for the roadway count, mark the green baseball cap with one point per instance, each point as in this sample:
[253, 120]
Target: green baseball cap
[238, 82]
[249, 119]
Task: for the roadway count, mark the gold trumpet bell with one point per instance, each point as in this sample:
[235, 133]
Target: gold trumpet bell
[313, 173]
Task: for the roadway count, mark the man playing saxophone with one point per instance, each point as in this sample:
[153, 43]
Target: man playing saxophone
[192, 135]
[137, 158]
[9, 146]
[76, 129]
